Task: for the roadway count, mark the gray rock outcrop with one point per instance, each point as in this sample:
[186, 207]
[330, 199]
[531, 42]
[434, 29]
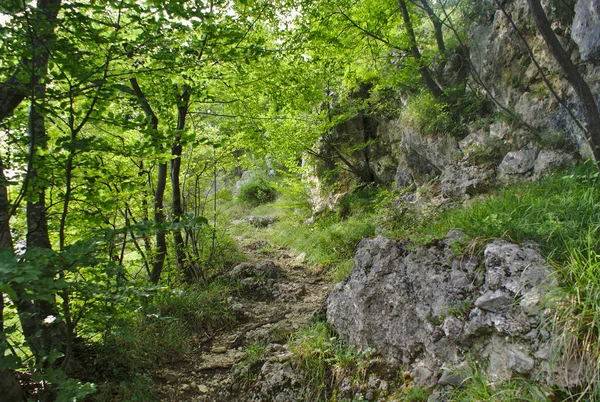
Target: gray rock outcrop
[427, 308]
[586, 29]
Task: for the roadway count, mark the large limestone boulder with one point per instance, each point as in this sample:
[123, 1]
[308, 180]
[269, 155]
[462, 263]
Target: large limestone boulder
[428, 308]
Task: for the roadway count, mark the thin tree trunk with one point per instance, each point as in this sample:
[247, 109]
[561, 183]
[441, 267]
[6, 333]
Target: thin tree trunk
[176, 150]
[428, 80]
[159, 193]
[437, 27]
[8, 383]
[582, 89]
[159, 218]
[6, 241]
[49, 336]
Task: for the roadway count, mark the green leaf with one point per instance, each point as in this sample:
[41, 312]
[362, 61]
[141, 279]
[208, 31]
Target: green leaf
[6, 288]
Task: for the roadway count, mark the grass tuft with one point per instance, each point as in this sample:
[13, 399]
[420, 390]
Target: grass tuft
[326, 361]
[576, 303]
[478, 387]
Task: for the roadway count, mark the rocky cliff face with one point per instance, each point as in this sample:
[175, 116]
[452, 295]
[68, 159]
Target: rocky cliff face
[495, 149]
[432, 310]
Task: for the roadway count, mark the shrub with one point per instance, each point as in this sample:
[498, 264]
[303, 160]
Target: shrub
[258, 190]
[431, 117]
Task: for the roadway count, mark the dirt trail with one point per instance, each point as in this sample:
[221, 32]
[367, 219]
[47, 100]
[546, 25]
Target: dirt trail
[206, 372]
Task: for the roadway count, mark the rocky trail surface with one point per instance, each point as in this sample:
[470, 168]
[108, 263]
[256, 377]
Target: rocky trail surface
[279, 294]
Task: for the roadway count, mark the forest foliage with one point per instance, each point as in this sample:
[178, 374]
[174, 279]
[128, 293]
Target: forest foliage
[123, 124]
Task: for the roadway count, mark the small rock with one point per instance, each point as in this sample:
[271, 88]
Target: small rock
[517, 163]
[374, 382]
[203, 388]
[452, 327]
[261, 221]
[220, 349]
[422, 374]
[494, 301]
[451, 378]
[547, 161]
[454, 236]
[519, 361]
[438, 396]
[300, 258]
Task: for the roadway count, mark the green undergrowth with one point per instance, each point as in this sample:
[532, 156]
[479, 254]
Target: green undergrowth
[557, 212]
[478, 387]
[330, 239]
[329, 243]
[326, 362]
[576, 307]
[155, 334]
[258, 189]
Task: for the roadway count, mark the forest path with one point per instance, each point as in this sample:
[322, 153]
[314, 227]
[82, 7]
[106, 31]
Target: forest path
[273, 309]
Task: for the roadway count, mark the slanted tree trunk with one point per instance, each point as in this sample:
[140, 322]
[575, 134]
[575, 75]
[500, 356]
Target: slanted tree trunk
[582, 89]
[183, 264]
[426, 75]
[437, 26]
[159, 192]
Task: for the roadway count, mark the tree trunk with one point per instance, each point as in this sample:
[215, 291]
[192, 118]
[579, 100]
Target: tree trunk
[588, 102]
[437, 27]
[9, 386]
[159, 193]
[176, 150]
[6, 241]
[159, 218]
[14, 90]
[426, 75]
[45, 337]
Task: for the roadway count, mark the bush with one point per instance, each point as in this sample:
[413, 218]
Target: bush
[430, 116]
[205, 309]
[258, 190]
